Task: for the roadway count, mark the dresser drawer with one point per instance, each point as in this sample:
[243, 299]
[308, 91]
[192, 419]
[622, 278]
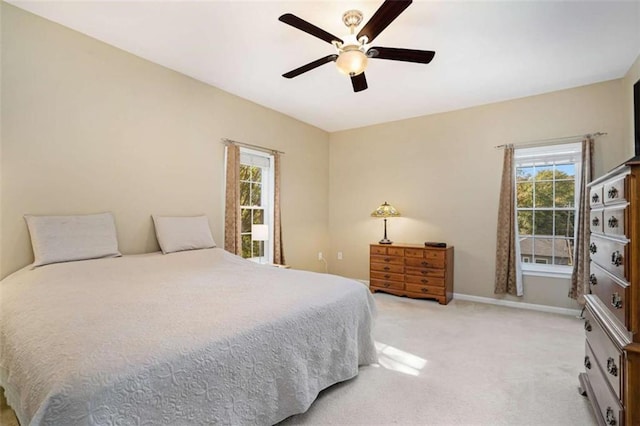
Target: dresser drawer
[611, 292]
[606, 353]
[614, 221]
[595, 224]
[395, 251]
[595, 196]
[614, 191]
[424, 262]
[378, 250]
[388, 267]
[425, 289]
[386, 276]
[609, 254]
[425, 280]
[398, 285]
[423, 272]
[392, 260]
[414, 252]
[607, 402]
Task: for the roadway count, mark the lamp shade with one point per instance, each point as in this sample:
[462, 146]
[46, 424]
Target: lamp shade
[259, 232]
[385, 210]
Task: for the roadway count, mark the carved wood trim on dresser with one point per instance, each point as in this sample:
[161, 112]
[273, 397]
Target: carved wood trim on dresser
[412, 270]
[612, 317]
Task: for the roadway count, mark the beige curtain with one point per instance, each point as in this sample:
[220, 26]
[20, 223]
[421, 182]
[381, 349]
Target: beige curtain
[232, 239]
[580, 275]
[278, 252]
[508, 274]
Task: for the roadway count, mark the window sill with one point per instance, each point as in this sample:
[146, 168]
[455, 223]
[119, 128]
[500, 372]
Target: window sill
[547, 273]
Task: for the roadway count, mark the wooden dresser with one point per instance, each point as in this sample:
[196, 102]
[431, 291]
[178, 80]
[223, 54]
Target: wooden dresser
[412, 270]
[612, 360]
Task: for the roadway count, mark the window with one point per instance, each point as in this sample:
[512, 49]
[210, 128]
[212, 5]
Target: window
[256, 202]
[546, 197]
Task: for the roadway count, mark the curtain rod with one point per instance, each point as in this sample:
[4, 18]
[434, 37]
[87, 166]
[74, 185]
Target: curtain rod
[552, 141]
[226, 141]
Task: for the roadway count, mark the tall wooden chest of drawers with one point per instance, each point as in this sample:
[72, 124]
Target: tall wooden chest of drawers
[612, 326]
[412, 270]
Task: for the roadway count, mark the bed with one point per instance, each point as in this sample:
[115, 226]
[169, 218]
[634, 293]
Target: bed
[193, 337]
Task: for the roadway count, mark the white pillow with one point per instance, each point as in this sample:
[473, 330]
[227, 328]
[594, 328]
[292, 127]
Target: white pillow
[183, 233]
[66, 238]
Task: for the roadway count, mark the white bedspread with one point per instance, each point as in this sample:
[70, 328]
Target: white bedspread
[200, 337]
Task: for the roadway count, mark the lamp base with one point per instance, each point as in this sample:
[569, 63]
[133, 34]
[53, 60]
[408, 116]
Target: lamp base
[385, 241]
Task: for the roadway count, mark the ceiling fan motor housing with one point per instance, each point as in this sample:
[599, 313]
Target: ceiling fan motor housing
[352, 18]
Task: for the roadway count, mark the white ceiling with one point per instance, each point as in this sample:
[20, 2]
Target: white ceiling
[486, 51]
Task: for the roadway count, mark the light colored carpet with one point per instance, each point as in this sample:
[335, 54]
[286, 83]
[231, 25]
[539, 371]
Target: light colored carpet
[461, 364]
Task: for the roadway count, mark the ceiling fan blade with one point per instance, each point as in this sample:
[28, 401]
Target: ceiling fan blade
[310, 66]
[359, 82]
[380, 20]
[308, 28]
[407, 55]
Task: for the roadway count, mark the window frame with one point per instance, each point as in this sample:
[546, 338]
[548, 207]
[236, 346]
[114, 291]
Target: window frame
[267, 195]
[548, 154]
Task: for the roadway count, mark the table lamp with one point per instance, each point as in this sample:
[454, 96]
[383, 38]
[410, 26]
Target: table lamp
[385, 210]
[260, 233]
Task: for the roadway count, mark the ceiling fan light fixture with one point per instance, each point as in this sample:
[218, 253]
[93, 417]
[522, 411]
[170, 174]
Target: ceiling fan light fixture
[352, 61]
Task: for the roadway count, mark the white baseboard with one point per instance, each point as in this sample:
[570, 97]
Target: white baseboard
[521, 305]
[510, 303]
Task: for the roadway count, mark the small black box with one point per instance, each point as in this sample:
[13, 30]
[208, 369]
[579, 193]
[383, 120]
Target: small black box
[434, 244]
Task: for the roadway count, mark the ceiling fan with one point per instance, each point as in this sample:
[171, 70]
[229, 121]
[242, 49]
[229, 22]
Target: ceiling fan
[353, 51]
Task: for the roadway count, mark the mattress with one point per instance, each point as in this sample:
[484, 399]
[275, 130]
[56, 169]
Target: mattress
[196, 337]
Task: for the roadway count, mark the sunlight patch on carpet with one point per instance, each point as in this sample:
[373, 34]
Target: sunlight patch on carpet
[398, 360]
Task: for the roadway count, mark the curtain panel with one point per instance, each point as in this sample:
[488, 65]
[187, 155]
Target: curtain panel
[580, 274]
[232, 238]
[278, 251]
[508, 278]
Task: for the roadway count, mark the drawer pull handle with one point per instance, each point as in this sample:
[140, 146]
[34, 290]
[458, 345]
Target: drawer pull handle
[386, 285]
[613, 222]
[616, 300]
[613, 192]
[424, 281]
[593, 248]
[595, 198]
[612, 368]
[587, 363]
[425, 263]
[424, 272]
[616, 258]
[387, 276]
[386, 268]
[593, 280]
[611, 417]
[424, 290]
[595, 221]
[587, 325]
[387, 259]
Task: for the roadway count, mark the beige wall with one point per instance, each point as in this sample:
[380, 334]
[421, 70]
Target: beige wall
[90, 128]
[443, 173]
